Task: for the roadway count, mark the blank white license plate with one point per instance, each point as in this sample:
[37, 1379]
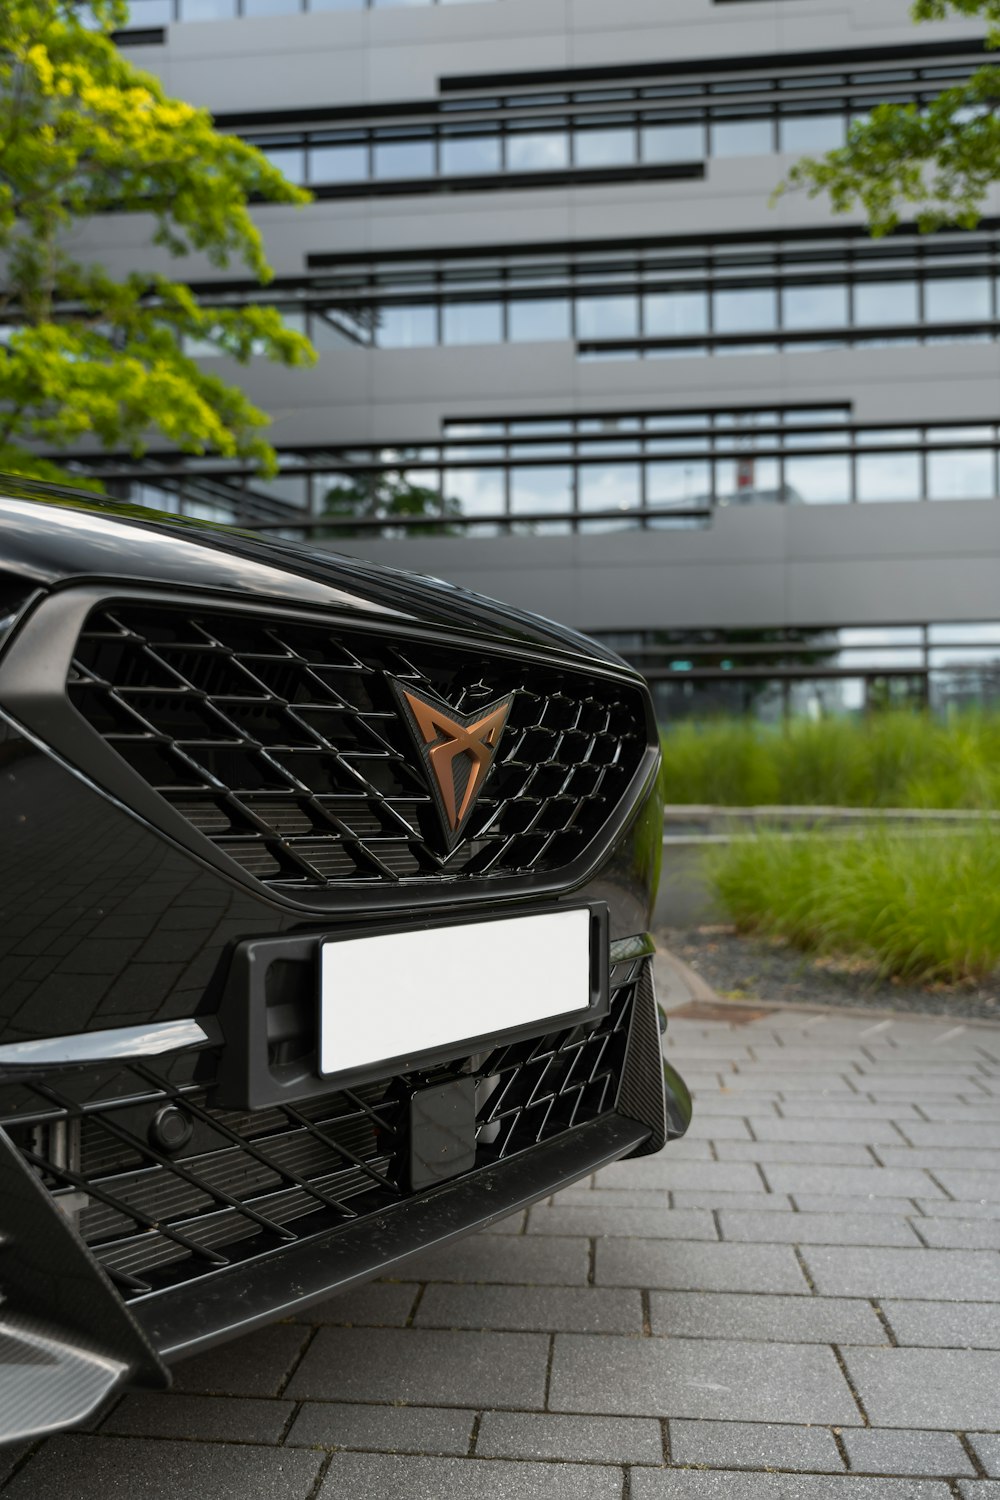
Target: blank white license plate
[402, 994]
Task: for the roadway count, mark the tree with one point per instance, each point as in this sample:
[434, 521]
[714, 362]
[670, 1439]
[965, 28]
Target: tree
[87, 355]
[387, 494]
[933, 163]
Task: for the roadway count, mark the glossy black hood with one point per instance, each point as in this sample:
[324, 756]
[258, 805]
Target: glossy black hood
[51, 536]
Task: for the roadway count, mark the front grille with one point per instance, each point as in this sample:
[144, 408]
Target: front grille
[281, 742]
[246, 1184]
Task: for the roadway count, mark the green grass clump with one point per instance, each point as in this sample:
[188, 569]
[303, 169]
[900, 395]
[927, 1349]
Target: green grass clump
[892, 759]
[923, 907]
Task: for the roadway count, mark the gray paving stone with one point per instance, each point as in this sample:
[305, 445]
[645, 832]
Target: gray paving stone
[978, 1134]
[706, 1127]
[424, 1367]
[380, 1304]
[833, 1131]
[531, 1261]
[859, 1108]
[530, 1309]
[937, 1275]
[960, 1234]
[627, 1440]
[938, 1110]
[658, 1172]
[879, 1451]
[687, 1484]
[717, 1105]
[720, 1379]
[111, 1468]
[209, 1418]
[645, 1223]
[375, 1476]
[817, 1229]
[957, 1325]
[986, 1446]
[798, 1320]
[965, 1208]
[934, 1158]
[796, 1152]
[927, 1388]
[754, 1445]
[865, 1181]
[758, 1202]
[698, 1266]
[961, 1183]
[382, 1429]
[979, 1489]
[847, 1203]
[257, 1365]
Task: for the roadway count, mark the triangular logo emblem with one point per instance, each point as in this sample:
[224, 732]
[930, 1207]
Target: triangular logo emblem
[457, 751]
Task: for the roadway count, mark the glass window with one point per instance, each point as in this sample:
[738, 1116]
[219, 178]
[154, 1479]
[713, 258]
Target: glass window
[271, 7]
[470, 154]
[207, 10]
[747, 480]
[150, 13]
[335, 4]
[537, 150]
[681, 142]
[679, 484]
[814, 306]
[810, 134]
[957, 299]
[750, 137]
[473, 323]
[885, 302]
[404, 158]
[607, 317]
[406, 327]
[964, 635]
[888, 476]
[291, 160]
[824, 479]
[348, 163]
[546, 318]
[609, 486]
[604, 148]
[746, 310]
[548, 490]
[961, 474]
[671, 314]
[479, 492]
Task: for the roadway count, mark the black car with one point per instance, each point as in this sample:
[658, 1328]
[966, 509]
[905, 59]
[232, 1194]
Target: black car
[323, 932]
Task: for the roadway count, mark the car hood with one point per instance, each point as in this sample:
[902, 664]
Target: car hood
[51, 536]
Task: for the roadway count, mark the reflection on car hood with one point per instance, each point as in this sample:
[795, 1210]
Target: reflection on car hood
[51, 535]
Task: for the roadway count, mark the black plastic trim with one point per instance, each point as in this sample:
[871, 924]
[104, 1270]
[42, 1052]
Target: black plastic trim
[287, 1281]
[248, 1081]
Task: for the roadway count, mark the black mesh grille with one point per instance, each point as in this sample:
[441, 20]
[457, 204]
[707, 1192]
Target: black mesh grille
[282, 743]
[245, 1184]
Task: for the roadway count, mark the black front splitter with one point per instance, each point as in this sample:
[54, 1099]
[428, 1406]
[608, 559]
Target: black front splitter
[227, 1303]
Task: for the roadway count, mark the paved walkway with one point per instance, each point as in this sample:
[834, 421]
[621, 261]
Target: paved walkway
[799, 1302]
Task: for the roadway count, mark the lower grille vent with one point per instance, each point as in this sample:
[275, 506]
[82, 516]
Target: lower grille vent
[245, 1184]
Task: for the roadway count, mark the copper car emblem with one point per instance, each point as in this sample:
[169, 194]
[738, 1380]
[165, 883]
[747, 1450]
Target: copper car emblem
[457, 751]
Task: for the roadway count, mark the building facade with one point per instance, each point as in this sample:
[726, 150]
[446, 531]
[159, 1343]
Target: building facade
[572, 354]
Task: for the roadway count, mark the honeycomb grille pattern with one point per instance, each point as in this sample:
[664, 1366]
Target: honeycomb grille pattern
[282, 743]
[246, 1184]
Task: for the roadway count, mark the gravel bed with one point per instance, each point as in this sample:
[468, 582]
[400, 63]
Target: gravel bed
[746, 968]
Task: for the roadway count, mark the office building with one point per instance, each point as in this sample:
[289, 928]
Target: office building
[572, 355]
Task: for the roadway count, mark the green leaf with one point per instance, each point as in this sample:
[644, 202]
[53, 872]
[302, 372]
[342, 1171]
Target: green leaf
[89, 357]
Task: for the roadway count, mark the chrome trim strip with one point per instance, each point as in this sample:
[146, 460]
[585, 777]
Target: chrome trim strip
[105, 1046]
